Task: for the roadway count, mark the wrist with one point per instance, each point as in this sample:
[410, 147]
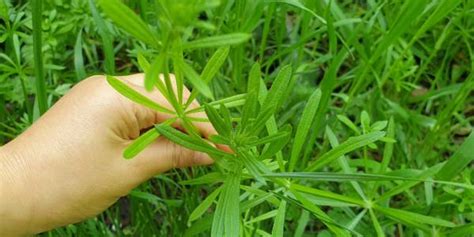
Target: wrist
[16, 208]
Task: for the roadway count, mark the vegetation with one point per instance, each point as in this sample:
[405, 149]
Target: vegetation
[344, 118]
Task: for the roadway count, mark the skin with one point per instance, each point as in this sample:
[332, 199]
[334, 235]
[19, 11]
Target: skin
[68, 165]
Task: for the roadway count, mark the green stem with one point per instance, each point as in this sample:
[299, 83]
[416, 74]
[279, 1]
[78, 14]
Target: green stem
[40, 81]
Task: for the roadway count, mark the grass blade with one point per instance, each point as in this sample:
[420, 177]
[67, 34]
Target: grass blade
[78, 58]
[460, 160]
[107, 39]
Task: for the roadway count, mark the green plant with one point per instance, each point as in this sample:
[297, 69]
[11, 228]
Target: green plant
[370, 137]
[250, 129]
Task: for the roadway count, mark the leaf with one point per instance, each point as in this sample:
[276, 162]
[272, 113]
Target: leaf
[143, 141]
[279, 224]
[299, 5]
[251, 103]
[346, 121]
[126, 19]
[217, 41]
[226, 220]
[78, 58]
[143, 62]
[204, 205]
[214, 64]
[388, 149]
[209, 178]
[140, 143]
[460, 160]
[376, 224]
[194, 78]
[411, 217]
[217, 121]
[189, 142]
[344, 148]
[107, 39]
[304, 127]
[262, 217]
[269, 138]
[255, 201]
[273, 99]
[135, 96]
[318, 213]
[254, 166]
[218, 139]
[327, 194]
[277, 145]
[229, 102]
[302, 222]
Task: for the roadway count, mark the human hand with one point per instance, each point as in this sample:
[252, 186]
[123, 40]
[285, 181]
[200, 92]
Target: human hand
[68, 166]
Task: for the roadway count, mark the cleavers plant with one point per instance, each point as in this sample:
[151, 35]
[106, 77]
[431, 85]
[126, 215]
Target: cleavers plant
[267, 158]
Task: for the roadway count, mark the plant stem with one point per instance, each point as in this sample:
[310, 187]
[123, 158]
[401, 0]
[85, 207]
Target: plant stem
[40, 81]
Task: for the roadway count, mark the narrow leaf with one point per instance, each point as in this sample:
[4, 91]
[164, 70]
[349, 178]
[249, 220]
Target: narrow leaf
[140, 143]
[214, 64]
[277, 145]
[126, 19]
[304, 126]
[135, 96]
[279, 224]
[227, 216]
[346, 147]
[460, 160]
[204, 205]
[217, 41]
[194, 79]
[187, 141]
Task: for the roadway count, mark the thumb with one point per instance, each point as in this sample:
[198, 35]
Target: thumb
[163, 155]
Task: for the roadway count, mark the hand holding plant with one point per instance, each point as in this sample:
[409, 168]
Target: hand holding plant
[71, 158]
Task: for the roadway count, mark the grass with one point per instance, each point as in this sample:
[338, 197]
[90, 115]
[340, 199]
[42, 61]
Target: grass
[345, 118]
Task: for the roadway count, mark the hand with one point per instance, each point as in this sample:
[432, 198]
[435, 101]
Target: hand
[68, 166]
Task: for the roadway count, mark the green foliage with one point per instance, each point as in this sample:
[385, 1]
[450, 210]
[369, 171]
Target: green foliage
[336, 112]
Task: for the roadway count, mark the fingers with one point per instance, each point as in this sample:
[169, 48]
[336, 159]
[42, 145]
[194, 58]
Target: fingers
[163, 155]
[147, 117]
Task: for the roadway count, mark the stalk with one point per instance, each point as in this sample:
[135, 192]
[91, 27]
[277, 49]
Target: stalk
[40, 81]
